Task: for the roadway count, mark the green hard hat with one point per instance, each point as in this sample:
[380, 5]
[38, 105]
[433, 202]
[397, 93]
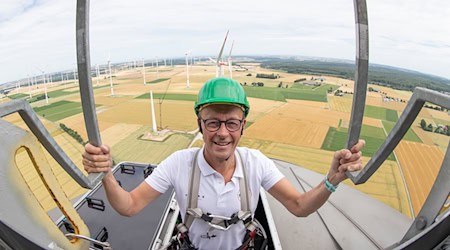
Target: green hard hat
[222, 90]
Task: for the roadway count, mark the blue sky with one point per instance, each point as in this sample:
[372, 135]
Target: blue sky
[40, 34]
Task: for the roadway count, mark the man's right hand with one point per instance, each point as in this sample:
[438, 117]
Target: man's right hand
[97, 159]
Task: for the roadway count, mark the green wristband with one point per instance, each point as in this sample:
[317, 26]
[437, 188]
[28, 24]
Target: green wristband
[330, 187]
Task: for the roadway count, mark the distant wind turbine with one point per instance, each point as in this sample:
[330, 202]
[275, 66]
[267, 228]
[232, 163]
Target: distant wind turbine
[143, 71]
[187, 70]
[230, 64]
[45, 85]
[110, 76]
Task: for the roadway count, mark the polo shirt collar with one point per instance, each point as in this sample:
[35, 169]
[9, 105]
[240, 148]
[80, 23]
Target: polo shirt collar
[206, 169]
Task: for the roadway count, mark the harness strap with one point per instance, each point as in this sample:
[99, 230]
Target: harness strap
[216, 221]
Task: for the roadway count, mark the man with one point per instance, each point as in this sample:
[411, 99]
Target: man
[221, 109]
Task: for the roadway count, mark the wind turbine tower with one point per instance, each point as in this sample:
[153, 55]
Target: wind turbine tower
[154, 129]
[157, 70]
[45, 89]
[143, 72]
[187, 70]
[110, 77]
[97, 73]
[29, 86]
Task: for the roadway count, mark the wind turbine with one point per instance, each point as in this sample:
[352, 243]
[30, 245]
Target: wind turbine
[143, 72]
[154, 129]
[157, 70]
[230, 64]
[187, 69]
[29, 85]
[110, 77]
[218, 62]
[45, 85]
[97, 72]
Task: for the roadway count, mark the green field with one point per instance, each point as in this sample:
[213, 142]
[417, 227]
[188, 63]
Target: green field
[374, 137]
[134, 149]
[179, 97]
[409, 136]
[281, 94]
[158, 80]
[59, 110]
[18, 96]
[381, 113]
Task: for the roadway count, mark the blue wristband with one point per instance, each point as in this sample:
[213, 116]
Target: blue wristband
[330, 187]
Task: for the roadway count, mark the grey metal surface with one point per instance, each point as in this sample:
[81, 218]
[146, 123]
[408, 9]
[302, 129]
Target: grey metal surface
[361, 73]
[84, 76]
[137, 232]
[21, 214]
[30, 118]
[349, 218]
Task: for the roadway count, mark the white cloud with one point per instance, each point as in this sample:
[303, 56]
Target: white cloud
[411, 34]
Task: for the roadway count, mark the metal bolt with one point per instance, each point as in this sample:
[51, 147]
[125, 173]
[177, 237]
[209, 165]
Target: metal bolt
[421, 222]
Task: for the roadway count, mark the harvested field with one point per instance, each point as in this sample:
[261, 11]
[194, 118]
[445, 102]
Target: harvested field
[76, 123]
[118, 132]
[259, 107]
[420, 164]
[288, 130]
[313, 104]
[133, 149]
[378, 102]
[441, 141]
[422, 134]
[176, 115]
[439, 115]
[312, 114]
[340, 103]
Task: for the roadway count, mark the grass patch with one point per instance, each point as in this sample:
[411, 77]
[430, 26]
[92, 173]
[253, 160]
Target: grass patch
[18, 96]
[281, 94]
[337, 138]
[409, 136]
[59, 110]
[180, 97]
[158, 80]
[391, 115]
[381, 113]
[248, 124]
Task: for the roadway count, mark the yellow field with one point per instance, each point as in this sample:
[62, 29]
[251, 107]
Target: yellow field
[260, 107]
[340, 103]
[420, 164]
[322, 105]
[118, 132]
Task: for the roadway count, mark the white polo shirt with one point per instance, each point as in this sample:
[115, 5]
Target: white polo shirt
[214, 196]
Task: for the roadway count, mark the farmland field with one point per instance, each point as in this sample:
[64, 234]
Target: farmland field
[420, 164]
[410, 135]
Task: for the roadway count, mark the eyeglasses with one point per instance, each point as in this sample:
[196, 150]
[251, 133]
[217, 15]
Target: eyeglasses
[232, 125]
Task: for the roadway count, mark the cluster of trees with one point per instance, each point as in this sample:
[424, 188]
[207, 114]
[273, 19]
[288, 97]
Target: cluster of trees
[445, 130]
[280, 85]
[72, 133]
[258, 84]
[300, 80]
[439, 108]
[269, 76]
[255, 84]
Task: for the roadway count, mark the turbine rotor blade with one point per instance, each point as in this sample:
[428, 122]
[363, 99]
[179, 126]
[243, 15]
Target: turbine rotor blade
[221, 50]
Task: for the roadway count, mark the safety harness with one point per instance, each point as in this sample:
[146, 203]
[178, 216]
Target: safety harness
[217, 221]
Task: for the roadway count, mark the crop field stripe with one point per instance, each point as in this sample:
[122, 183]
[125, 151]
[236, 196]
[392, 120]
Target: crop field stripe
[179, 97]
[17, 96]
[391, 115]
[409, 136]
[158, 80]
[335, 140]
[59, 110]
